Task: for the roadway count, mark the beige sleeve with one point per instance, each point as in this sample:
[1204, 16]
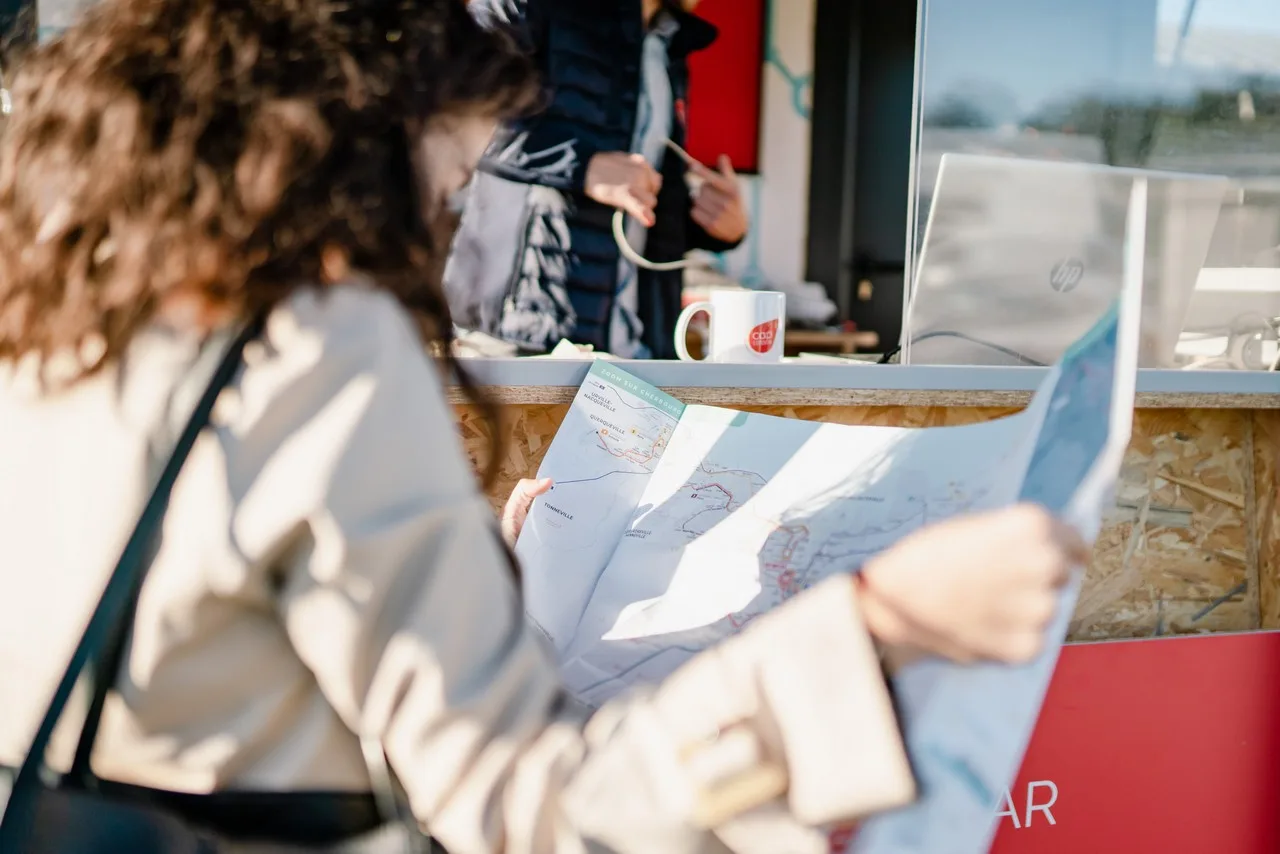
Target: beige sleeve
[399, 598]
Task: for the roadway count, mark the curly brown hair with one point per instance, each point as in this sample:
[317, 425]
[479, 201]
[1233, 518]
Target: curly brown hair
[228, 149]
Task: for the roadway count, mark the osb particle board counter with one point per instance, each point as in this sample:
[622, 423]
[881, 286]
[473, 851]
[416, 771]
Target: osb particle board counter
[1193, 544]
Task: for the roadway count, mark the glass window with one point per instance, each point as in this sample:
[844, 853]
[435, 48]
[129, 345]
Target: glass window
[1177, 85]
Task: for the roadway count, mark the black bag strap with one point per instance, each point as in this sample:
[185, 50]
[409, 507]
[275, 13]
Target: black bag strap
[98, 655]
[107, 666]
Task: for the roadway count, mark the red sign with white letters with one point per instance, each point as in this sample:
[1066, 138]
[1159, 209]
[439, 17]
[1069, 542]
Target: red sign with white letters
[1169, 744]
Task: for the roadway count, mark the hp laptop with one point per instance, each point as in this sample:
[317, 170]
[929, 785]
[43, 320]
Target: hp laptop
[1020, 258]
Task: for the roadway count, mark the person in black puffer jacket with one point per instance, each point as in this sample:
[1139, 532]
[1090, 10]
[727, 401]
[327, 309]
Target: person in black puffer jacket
[534, 259]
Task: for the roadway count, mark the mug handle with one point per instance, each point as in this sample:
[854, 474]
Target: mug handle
[682, 330]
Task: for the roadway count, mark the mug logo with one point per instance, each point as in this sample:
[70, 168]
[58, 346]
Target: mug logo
[1066, 274]
[762, 337]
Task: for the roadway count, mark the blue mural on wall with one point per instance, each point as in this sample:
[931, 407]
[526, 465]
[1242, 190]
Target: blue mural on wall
[801, 84]
[801, 87]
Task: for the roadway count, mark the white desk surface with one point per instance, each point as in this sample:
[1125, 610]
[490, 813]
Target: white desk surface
[856, 383]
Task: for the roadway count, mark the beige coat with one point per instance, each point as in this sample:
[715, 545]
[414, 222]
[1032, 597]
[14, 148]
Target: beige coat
[329, 568]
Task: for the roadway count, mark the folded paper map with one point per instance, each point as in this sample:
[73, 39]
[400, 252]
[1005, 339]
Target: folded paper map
[671, 527]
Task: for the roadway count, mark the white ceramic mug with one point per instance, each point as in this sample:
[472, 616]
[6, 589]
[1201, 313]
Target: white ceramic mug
[746, 326]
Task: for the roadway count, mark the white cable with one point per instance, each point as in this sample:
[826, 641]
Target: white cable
[1275, 330]
[620, 229]
[620, 237]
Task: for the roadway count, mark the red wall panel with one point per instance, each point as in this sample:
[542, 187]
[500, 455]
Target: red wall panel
[1170, 745]
[725, 85]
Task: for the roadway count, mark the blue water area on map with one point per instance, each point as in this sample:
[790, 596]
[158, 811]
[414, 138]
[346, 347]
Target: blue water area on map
[1078, 420]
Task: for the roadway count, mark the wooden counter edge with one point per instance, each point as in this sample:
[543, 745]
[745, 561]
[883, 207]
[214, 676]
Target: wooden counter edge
[543, 395]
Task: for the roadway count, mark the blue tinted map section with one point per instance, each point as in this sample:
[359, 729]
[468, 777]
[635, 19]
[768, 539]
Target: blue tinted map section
[1077, 422]
[967, 727]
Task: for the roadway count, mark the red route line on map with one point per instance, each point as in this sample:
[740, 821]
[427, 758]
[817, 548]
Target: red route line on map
[786, 574]
[627, 454]
[718, 486]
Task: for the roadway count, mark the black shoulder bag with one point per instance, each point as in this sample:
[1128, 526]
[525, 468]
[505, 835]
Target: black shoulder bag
[75, 813]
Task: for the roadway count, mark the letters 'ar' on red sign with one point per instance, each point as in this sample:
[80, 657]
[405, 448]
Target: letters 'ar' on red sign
[1168, 744]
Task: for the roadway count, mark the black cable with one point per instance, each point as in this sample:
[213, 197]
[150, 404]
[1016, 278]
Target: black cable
[1013, 354]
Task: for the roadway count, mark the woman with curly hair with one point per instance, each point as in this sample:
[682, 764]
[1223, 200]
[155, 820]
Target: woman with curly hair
[329, 576]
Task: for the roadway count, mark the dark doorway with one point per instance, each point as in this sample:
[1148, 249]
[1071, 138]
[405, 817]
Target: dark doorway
[864, 76]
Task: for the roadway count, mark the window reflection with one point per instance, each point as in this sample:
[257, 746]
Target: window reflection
[1180, 85]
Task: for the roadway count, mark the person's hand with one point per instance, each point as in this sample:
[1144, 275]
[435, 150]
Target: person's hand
[517, 509]
[972, 588]
[624, 181]
[717, 206]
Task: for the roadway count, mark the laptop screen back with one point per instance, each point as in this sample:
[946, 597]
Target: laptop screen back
[1021, 257]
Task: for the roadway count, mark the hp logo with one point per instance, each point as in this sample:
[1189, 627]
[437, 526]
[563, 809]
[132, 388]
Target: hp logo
[1066, 274]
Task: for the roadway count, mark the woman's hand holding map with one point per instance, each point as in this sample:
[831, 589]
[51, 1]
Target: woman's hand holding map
[975, 587]
[518, 506]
